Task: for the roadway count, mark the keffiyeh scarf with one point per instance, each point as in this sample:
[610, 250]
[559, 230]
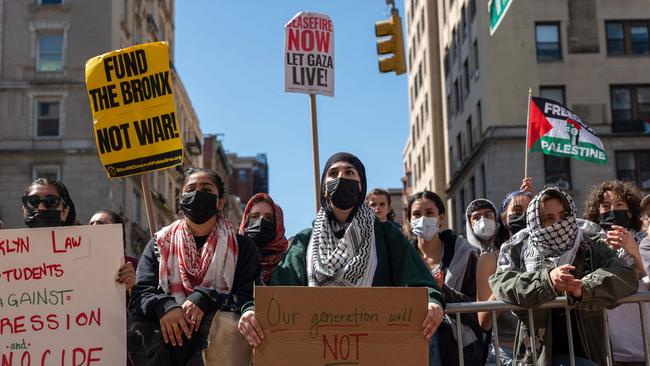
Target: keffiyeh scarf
[555, 244]
[182, 267]
[348, 261]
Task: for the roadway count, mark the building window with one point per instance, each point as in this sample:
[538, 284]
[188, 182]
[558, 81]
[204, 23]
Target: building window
[465, 79]
[459, 143]
[457, 96]
[473, 187]
[426, 105]
[557, 171]
[51, 172]
[461, 212]
[627, 38]
[483, 180]
[453, 45]
[242, 175]
[137, 209]
[50, 2]
[547, 37]
[630, 108]
[475, 51]
[479, 119]
[555, 93]
[470, 133]
[50, 52]
[634, 166]
[472, 9]
[463, 22]
[48, 118]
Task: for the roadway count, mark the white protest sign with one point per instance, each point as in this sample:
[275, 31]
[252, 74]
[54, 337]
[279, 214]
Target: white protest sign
[309, 54]
[59, 302]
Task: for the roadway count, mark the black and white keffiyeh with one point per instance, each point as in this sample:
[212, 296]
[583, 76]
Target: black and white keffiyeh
[555, 243]
[348, 261]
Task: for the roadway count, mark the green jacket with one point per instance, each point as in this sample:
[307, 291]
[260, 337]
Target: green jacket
[607, 279]
[398, 264]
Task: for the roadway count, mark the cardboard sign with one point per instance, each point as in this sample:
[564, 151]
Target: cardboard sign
[134, 117]
[59, 302]
[309, 54]
[330, 326]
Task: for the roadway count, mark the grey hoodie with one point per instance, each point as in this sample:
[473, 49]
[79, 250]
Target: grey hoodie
[471, 237]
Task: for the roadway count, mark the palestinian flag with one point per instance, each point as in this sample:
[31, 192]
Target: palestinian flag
[554, 130]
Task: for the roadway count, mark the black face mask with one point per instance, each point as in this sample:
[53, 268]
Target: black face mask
[199, 206]
[614, 217]
[43, 218]
[343, 193]
[261, 230]
[516, 223]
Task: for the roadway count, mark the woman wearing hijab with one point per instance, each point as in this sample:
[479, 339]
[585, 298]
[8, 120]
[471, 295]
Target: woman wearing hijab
[553, 256]
[190, 270]
[348, 246]
[47, 203]
[263, 223]
[451, 261]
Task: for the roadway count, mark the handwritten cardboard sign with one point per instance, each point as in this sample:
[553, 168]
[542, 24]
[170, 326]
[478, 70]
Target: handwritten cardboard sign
[309, 54]
[59, 302]
[134, 116]
[330, 326]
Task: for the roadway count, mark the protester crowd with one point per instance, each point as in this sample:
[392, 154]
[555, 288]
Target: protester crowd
[191, 298]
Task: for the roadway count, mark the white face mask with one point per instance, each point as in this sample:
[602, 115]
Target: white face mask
[484, 228]
[425, 227]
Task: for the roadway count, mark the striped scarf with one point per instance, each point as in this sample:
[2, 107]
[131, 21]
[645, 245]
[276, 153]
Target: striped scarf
[348, 261]
[182, 267]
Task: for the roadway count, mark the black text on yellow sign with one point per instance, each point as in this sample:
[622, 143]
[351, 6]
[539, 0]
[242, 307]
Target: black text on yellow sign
[132, 102]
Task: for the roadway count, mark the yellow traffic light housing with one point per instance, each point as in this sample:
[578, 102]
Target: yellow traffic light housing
[391, 42]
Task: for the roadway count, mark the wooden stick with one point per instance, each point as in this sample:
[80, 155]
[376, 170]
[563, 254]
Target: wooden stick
[530, 91]
[314, 141]
[148, 203]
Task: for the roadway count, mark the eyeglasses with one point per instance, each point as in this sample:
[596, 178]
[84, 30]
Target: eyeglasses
[51, 202]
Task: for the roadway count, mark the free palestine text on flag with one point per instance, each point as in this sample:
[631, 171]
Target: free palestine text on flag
[555, 130]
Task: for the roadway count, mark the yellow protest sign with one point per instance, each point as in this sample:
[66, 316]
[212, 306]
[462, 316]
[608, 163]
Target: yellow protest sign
[134, 117]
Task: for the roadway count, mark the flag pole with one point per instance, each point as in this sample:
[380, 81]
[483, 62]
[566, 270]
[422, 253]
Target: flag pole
[530, 91]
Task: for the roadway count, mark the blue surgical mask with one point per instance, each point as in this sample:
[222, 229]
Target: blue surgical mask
[425, 227]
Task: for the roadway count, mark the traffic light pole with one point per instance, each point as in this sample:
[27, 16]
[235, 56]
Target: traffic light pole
[314, 141]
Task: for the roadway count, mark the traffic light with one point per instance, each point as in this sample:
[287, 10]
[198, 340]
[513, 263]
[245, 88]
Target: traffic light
[390, 42]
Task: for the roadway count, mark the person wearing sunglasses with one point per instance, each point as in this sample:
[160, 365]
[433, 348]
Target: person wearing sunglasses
[47, 203]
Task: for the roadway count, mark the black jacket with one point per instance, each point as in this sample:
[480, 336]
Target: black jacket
[151, 302]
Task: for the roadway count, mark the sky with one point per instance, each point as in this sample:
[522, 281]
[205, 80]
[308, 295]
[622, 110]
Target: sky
[229, 55]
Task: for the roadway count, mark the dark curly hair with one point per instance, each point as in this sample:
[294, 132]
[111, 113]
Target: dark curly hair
[629, 192]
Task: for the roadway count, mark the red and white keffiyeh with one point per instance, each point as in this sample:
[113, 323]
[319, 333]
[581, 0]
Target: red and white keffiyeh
[182, 267]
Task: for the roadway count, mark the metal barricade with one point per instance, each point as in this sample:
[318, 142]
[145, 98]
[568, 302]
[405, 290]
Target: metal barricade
[456, 309]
